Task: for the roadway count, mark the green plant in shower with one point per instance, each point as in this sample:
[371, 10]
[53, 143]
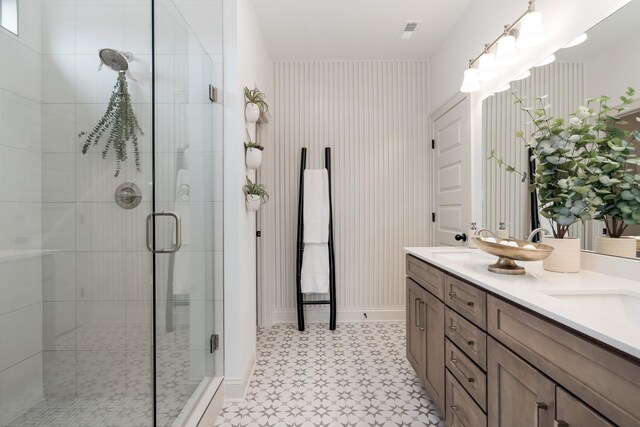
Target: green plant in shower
[117, 127]
[254, 96]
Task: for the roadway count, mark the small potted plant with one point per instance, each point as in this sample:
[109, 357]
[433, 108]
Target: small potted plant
[256, 194]
[612, 165]
[255, 105]
[559, 179]
[253, 153]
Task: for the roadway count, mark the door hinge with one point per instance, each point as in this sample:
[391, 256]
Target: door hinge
[213, 93]
[214, 343]
[433, 217]
[258, 233]
[433, 144]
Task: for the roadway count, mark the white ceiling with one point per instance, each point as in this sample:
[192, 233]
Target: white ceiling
[355, 29]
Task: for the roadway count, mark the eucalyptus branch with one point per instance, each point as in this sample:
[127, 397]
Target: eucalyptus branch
[117, 127]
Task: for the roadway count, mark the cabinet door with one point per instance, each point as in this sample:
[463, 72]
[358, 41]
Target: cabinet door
[415, 342]
[519, 395]
[571, 412]
[433, 316]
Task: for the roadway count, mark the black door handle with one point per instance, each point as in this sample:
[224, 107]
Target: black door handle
[462, 237]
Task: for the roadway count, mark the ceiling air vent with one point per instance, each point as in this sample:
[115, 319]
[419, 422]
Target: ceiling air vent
[408, 28]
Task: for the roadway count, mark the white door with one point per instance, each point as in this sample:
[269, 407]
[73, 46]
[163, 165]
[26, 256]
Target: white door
[451, 174]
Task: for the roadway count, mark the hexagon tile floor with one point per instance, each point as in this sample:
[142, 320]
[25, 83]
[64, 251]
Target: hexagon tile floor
[357, 375]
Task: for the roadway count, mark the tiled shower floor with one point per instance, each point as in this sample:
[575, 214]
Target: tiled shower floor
[107, 406]
[357, 375]
[125, 412]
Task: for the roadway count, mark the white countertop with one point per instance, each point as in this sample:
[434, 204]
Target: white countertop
[616, 324]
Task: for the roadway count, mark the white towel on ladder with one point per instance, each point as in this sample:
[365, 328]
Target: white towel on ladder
[315, 258]
[315, 215]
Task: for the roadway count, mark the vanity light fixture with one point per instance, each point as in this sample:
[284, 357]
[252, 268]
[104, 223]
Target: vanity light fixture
[471, 82]
[531, 33]
[578, 40]
[507, 53]
[548, 60]
[487, 66]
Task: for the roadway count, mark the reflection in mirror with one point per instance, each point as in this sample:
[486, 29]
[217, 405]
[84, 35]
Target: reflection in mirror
[604, 64]
[9, 15]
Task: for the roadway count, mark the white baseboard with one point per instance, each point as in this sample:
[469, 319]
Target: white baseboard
[321, 315]
[235, 389]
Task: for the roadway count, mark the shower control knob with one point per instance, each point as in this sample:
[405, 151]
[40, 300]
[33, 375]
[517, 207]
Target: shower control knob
[461, 237]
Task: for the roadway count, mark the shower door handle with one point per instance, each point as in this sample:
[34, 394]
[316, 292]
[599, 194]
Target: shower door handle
[178, 228]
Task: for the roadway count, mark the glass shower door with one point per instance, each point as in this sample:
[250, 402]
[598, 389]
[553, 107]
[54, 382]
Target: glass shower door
[184, 153]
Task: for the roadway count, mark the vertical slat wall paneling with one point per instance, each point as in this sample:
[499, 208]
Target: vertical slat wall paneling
[506, 198]
[374, 116]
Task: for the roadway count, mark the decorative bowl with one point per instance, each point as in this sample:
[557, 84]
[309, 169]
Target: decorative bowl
[507, 255]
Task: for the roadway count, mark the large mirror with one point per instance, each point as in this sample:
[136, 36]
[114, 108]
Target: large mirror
[606, 63]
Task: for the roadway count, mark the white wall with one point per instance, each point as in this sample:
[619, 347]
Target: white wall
[482, 23]
[21, 376]
[247, 63]
[373, 115]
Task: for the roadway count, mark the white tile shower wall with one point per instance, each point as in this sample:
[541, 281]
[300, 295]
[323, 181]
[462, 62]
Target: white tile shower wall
[21, 309]
[373, 114]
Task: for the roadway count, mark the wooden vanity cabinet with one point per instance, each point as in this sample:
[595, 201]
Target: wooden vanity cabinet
[415, 343]
[425, 339]
[571, 412]
[519, 395]
[486, 361]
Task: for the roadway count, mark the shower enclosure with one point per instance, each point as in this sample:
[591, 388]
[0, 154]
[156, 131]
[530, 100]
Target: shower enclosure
[110, 211]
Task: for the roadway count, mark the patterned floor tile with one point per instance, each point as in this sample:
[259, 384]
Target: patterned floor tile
[357, 375]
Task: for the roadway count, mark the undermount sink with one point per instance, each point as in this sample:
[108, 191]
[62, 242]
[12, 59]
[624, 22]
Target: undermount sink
[623, 305]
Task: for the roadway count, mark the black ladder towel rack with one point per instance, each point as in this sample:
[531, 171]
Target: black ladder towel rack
[300, 249]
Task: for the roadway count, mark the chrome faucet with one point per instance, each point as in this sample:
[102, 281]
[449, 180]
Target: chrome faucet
[536, 231]
[482, 230]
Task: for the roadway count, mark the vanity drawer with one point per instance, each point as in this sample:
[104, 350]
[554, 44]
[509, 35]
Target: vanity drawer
[461, 410]
[602, 378]
[426, 276]
[571, 412]
[467, 300]
[468, 337]
[472, 378]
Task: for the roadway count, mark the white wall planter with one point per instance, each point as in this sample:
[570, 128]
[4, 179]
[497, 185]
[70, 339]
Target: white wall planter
[565, 257]
[253, 202]
[251, 113]
[617, 247]
[253, 158]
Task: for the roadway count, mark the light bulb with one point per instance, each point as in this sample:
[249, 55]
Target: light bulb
[578, 40]
[487, 68]
[531, 31]
[470, 83]
[506, 54]
[548, 60]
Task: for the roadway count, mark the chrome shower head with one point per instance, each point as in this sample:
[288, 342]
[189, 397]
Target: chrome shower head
[115, 59]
